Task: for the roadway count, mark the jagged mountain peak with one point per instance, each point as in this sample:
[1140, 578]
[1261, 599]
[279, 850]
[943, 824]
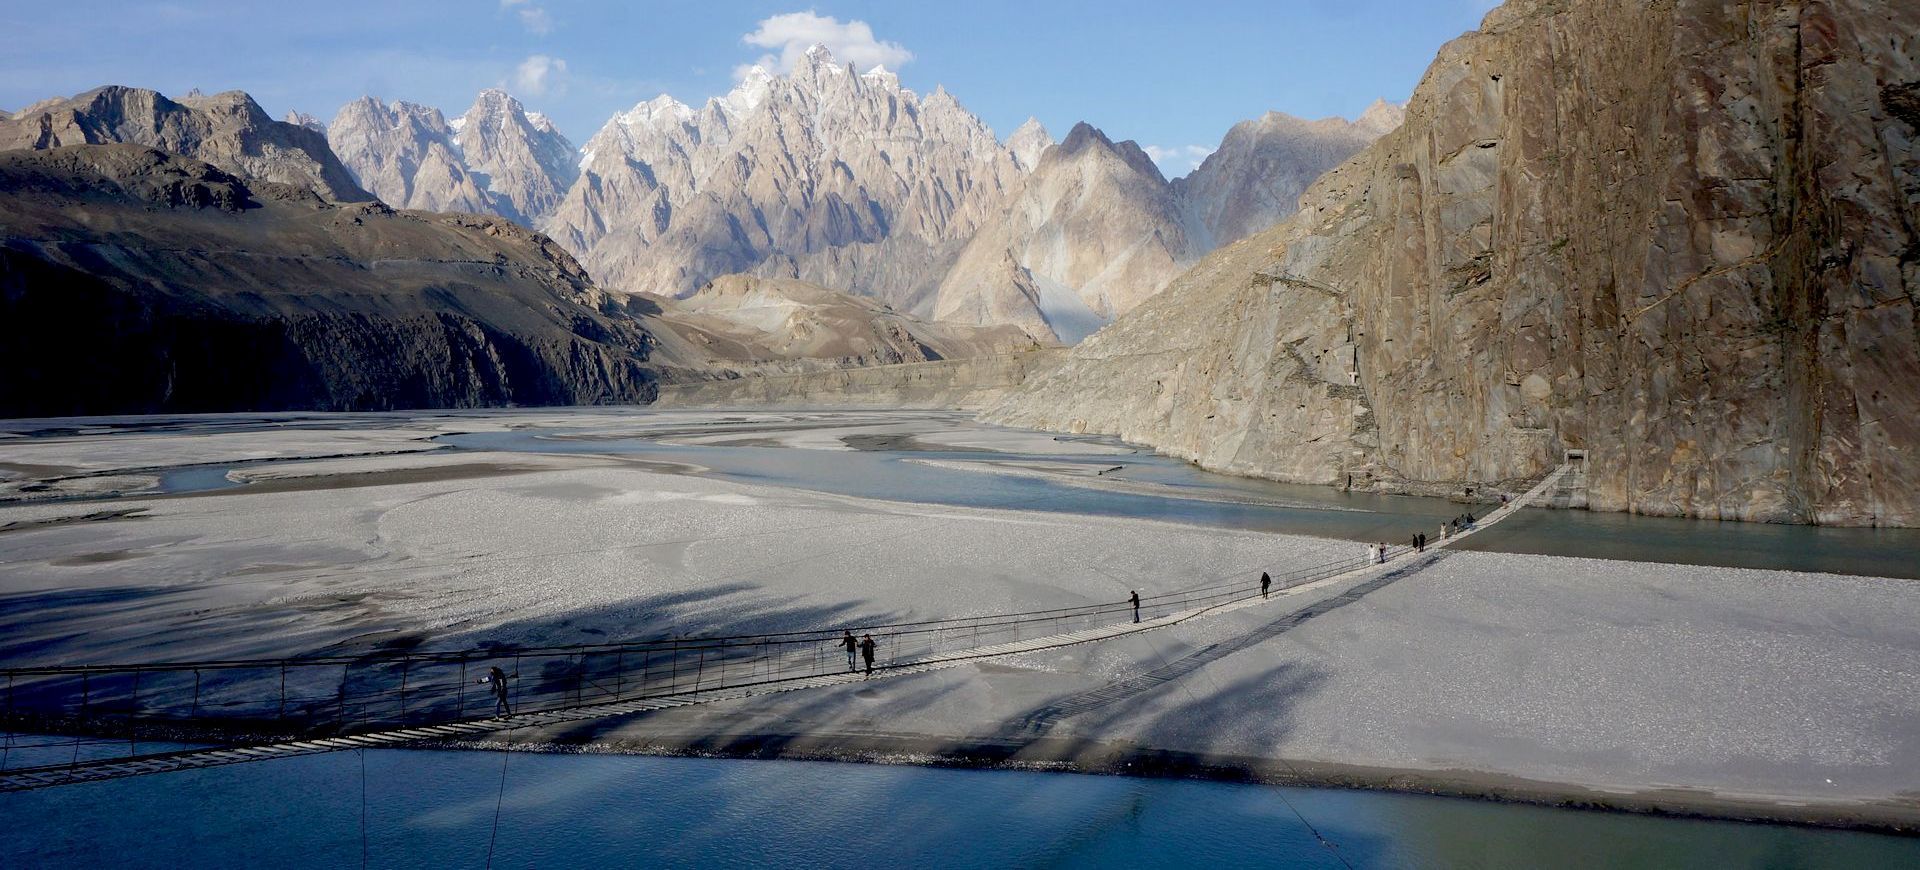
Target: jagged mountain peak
[526, 166]
[882, 76]
[1255, 177]
[406, 154]
[228, 130]
[826, 174]
[302, 119]
[496, 158]
[1086, 141]
[1027, 143]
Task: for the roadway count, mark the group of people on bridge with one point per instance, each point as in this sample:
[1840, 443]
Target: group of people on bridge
[864, 646]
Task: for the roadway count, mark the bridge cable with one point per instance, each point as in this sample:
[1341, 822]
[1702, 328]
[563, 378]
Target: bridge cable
[363, 809]
[498, 800]
[1281, 792]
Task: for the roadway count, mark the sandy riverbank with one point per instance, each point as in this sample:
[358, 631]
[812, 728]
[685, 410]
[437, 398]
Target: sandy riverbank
[1718, 691]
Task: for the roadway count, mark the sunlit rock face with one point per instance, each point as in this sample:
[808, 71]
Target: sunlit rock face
[405, 154]
[498, 158]
[828, 175]
[1679, 235]
[520, 157]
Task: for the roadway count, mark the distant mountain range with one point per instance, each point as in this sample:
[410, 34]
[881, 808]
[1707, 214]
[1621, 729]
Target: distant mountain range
[846, 179]
[230, 261]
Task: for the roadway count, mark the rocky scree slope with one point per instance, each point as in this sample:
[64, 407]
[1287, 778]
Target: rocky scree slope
[740, 324]
[1678, 234]
[135, 281]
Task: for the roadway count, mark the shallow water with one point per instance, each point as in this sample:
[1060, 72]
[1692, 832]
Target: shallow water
[438, 808]
[1190, 495]
[1204, 498]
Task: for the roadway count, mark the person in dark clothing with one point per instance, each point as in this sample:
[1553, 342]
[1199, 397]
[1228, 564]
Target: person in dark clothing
[496, 681]
[866, 652]
[1265, 584]
[1136, 605]
[1415, 543]
[851, 645]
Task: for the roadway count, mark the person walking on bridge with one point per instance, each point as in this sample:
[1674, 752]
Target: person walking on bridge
[496, 681]
[866, 652]
[1265, 584]
[1135, 598]
[851, 646]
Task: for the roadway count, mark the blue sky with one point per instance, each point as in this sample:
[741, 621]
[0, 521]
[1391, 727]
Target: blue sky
[1169, 77]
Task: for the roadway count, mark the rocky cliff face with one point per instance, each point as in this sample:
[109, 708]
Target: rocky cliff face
[228, 130]
[405, 154]
[134, 281]
[1679, 235]
[1090, 233]
[1255, 178]
[742, 323]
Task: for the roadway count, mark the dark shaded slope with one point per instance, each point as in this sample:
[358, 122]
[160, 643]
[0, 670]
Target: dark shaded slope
[134, 281]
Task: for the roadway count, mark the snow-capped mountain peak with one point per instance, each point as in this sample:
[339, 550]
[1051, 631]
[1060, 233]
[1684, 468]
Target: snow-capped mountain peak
[747, 95]
[883, 77]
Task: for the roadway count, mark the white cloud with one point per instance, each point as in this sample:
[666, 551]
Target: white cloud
[1177, 160]
[539, 75]
[794, 32]
[532, 15]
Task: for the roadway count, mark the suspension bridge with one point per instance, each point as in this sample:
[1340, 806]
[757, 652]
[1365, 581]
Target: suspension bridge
[84, 723]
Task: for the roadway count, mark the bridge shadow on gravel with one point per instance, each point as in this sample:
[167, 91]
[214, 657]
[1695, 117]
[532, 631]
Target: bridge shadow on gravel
[1038, 723]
